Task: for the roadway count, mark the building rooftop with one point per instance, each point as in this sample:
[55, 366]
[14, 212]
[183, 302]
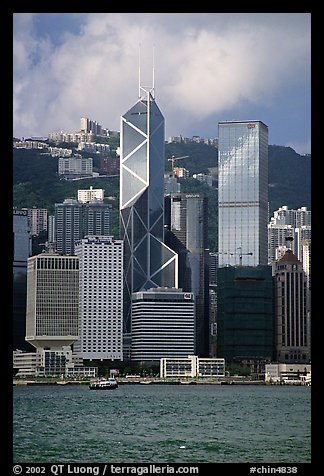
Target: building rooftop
[289, 257]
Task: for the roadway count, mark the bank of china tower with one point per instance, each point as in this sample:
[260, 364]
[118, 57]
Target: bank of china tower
[148, 262]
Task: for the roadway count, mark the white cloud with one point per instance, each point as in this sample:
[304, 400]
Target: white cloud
[204, 63]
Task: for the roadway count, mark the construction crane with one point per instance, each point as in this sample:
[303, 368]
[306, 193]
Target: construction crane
[173, 158]
[240, 254]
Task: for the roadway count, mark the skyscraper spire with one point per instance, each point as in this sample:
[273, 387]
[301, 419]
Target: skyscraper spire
[145, 89]
[153, 74]
[149, 263]
[139, 70]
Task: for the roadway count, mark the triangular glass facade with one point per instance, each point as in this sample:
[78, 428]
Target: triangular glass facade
[148, 261]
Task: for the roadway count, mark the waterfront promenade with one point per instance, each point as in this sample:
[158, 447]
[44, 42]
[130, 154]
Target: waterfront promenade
[145, 381]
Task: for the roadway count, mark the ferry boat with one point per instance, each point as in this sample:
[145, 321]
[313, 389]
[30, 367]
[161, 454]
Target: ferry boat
[103, 384]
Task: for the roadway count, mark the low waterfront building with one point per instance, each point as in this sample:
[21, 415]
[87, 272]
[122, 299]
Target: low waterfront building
[49, 363]
[288, 373]
[192, 366]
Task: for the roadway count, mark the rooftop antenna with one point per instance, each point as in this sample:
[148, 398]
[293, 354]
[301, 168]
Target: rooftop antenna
[145, 88]
[153, 73]
[139, 70]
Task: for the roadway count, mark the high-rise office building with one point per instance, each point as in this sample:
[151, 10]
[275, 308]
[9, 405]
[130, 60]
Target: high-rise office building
[149, 263]
[187, 219]
[21, 252]
[101, 297]
[75, 220]
[245, 327]
[242, 193]
[163, 324]
[292, 316]
[52, 319]
[68, 225]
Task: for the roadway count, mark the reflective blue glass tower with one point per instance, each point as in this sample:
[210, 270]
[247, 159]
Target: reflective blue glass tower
[148, 262]
[242, 193]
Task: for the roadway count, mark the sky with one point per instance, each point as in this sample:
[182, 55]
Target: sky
[208, 67]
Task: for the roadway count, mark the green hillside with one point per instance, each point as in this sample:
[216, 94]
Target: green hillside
[36, 182]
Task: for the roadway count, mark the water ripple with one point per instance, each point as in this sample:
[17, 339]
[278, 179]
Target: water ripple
[153, 423]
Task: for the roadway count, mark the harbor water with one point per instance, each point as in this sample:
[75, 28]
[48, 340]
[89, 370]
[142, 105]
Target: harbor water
[162, 423]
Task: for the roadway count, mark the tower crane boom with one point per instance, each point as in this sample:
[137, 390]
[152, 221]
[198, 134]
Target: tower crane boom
[173, 158]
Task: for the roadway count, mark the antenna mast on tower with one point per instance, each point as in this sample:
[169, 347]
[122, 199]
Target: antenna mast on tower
[146, 89]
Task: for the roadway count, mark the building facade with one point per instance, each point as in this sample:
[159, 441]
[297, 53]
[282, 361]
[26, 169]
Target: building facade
[52, 318]
[75, 167]
[187, 219]
[171, 185]
[292, 313]
[245, 324]
[163, 324]
[101, 298]
[294, 225]
[91, 194]
[288, 373]
[75, 220]
[148, 261]
[295, 218]
[22, 250]
[242, 193]
[51, 363]
[68, 225]
[191, 367]
[109, 165]
[37, 220]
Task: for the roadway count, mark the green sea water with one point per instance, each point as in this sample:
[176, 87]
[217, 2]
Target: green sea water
[162, 423]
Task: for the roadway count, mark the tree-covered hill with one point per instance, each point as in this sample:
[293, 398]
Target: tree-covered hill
[289, 178]
[289, 173]
[36, 181]
[201, 156]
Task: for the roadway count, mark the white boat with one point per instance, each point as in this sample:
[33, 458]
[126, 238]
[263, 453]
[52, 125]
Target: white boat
[103, 384]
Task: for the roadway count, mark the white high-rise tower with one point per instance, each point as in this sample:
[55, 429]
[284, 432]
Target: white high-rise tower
[101, 297]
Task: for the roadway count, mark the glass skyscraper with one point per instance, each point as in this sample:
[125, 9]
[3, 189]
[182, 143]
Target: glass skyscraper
[187, 219]
[148, 262]
[242, 193]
